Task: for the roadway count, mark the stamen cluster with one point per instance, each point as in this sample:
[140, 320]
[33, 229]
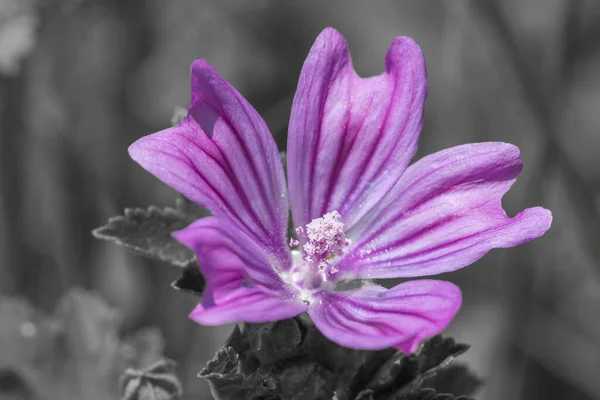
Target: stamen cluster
[325, 238]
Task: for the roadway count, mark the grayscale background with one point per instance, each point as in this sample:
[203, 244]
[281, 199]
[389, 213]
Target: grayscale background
[82, 79]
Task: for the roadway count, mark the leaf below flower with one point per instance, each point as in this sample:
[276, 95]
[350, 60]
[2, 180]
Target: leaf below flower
[291, 359]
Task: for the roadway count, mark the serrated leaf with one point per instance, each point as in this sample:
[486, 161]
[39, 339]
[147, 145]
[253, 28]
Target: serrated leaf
[227, 384]
[148, 233]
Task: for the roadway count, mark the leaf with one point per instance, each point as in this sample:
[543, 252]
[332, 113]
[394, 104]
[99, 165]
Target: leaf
[430, 394]
[275, 341]
[157, 382]
[226, 383]
[291, 359]
[191, 280]
[457, 379]
[407, 373]
[302, 380]
[148, 232]
[438, 352]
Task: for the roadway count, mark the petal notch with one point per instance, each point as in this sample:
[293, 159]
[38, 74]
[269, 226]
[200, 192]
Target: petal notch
[443, 214]
[223, 157]
[351, 138]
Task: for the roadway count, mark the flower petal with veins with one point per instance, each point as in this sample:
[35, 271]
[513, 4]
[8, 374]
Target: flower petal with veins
[241, 283]
[372, 317]
[223, 157]
[443, 214]
[351, 138]
[360, 211]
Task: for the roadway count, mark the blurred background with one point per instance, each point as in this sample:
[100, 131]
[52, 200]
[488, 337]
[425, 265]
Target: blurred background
[80, 80]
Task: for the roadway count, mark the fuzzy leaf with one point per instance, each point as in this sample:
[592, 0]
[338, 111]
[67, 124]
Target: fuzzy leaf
[148, 232]
[291, 359]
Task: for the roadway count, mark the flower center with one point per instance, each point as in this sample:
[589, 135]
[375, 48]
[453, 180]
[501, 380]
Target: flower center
[323, 239]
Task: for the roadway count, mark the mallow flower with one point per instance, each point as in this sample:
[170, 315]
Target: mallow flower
[360, 212]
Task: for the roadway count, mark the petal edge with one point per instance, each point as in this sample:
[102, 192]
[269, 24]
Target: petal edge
[374, 318]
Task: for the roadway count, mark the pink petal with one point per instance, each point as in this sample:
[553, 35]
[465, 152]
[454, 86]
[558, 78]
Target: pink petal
[351, 138]
[443, 214]
[374, 318]
[247, 305]
[223, 157]
[241, 282]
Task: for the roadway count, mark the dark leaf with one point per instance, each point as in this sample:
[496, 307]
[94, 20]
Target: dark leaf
[429, 394]
[275, 341]
[407, 373]
[148, 232]
[226, 383]
[457, 379]
[438, 352]
[291, 359]
[237, 340]
[366, 395]
[395, 373]
[191, 280]
[369, 366]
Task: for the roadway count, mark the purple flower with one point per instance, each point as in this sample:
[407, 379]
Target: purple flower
[360, 211]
